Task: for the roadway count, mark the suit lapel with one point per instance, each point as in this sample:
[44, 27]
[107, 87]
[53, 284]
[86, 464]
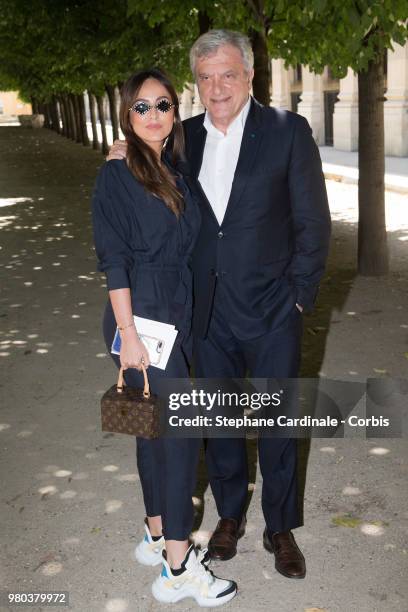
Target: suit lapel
[251, 140]
[196, 151]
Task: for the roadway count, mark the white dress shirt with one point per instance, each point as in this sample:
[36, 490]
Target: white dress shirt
[220, 159]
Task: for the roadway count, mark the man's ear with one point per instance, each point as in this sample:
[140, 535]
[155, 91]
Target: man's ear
[250, 77]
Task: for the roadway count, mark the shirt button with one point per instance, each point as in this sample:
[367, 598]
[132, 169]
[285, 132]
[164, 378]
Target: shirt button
[220, 234]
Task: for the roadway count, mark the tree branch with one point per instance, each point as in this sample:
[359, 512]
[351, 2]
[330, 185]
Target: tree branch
[257, 12]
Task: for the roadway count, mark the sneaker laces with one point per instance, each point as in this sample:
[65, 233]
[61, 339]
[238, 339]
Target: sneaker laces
[198, 573]
[203, 556]
[202, 572]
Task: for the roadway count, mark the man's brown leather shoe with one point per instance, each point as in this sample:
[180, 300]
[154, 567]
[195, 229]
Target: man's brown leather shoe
[223, 542]
[289, 560]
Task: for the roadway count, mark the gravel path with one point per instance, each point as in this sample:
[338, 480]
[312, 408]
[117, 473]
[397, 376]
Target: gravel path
[71, 505]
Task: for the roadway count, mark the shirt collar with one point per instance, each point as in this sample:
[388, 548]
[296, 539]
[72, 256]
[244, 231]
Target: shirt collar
[238, 123]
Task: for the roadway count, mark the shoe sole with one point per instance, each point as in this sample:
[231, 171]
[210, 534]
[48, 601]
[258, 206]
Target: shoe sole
[269, 548]
[290, 576]
[203, 603]
[216, 556]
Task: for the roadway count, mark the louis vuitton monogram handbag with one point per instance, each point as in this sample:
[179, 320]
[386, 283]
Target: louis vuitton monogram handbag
[130, 410]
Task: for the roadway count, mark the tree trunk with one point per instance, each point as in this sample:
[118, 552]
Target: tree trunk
[95, 141]
[372, 233]
[51, 118]
[55, 116]
[41, 110]
[261, 84]
[72, 117]
[58, 112]
[48, 115]
[63, 117]
[113, 111]
[67, 113]
[34, 106]
[204, 22]
[51, 115]
[82, 120]
[77, 116]
[44, 111]
[101, 114]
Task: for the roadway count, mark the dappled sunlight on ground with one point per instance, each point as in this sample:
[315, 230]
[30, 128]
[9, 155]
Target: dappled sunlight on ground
[113, 505]
[379, 450]
[73, 500]
[117, 605]
[13, 201]
[372, 530]
[343, 199]
[50, 569]
[351, 491]
[110, 468]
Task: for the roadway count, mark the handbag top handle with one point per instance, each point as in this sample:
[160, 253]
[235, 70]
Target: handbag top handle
[146, 389]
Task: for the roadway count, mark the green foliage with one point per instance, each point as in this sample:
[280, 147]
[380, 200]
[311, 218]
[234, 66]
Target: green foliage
[342, 34]
[50, 47]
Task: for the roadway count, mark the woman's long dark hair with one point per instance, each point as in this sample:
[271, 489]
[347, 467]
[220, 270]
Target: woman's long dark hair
[141, 159]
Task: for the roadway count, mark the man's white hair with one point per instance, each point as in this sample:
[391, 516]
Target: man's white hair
[211, 41]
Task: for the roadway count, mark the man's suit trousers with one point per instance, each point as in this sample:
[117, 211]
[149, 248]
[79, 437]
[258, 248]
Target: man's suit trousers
[272, 355]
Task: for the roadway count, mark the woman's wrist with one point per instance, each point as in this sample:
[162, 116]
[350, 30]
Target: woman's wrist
[123, 327]
[130, 331]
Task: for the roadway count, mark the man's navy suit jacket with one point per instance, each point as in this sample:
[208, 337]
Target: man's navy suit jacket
[270, 250]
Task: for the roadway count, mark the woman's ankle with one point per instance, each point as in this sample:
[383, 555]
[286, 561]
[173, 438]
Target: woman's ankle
[176, 551]
[155, 525]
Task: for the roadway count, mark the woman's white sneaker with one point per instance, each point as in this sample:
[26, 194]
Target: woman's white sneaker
[196, 580]
[148, 551]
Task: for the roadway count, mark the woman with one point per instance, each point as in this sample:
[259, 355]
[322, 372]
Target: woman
[145, 225]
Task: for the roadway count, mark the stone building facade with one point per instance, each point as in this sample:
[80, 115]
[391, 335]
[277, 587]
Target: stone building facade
[11, 105]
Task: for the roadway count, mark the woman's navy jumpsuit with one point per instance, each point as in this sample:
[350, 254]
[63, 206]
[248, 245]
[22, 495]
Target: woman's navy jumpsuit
[141, 244]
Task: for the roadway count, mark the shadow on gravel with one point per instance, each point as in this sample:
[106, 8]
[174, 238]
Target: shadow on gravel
[334, 290]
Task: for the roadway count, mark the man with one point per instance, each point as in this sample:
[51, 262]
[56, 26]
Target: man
[257, 264]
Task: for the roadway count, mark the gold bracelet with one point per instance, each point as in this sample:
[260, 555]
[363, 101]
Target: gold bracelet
[125, 326]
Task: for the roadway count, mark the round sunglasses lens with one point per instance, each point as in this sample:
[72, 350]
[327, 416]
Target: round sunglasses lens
[164, 106]
[141, 108]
